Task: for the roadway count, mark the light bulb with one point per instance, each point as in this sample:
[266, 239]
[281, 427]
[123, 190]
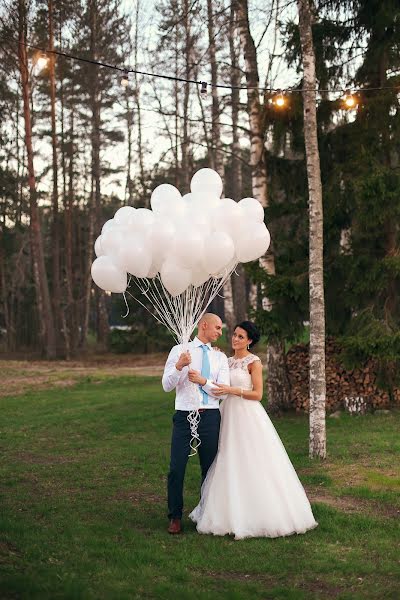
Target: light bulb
[125, 79]
[42, 62]
[279, 100]
[349, 100]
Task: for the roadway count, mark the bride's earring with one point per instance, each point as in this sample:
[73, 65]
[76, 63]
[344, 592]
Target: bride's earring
[248, 346]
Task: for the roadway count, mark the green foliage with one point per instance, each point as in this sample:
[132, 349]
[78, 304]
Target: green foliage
[140, 332]
[361, 181]
[141, 339]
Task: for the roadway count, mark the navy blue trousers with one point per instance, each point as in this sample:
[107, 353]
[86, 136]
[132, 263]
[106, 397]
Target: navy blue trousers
[208, 431]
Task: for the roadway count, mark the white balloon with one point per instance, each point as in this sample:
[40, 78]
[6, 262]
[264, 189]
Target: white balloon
[124, 214]
[108, 225]
[253, 244]
[219, 250]
[142, 220]
[228, 217]
[253, 209]
[154, 269]
[98, 250]
[227, 269]
[161, 237]
[111, 241]
[188, 248]
[134, 256]
[166, 199]
[188, 198]
[207, 181]
[108, 276]
[199, 277]
[175, 278]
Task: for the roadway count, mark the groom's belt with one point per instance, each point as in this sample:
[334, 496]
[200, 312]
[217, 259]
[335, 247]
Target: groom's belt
[201, 410]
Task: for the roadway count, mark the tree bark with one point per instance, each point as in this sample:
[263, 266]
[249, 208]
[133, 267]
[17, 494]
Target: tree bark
[185, 140]
[55, 242]
[278, 395]
[239, 277]
[102, 328]
[216, 156]
[45, 312]
[71, 316]
[317, 442]
[138, 109]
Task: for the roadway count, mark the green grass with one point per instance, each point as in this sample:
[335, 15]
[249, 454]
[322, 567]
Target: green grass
[83, 507]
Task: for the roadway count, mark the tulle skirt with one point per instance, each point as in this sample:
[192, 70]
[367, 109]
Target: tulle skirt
[251, 489]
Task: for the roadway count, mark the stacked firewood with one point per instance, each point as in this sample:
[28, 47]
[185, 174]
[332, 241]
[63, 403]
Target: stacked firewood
[353, 390]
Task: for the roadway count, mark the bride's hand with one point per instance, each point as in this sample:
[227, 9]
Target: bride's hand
[221, 389]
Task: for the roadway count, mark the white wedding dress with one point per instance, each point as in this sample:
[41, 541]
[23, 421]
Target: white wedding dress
[251, 489]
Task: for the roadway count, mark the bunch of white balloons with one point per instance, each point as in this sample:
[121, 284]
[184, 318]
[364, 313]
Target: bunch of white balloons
[184, 240]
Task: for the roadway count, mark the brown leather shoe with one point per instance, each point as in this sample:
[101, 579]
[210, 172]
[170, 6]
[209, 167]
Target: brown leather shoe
[175, 526]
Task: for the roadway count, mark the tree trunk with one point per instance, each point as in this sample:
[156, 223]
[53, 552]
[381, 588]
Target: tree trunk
[138, 108]
[277, 390]
[185, 141]
[317, 447]
[216, 157]
[71, 316]
[4, 288]
[129, 124]
[102, 328]
[216, 161]
[55, 238]
[45, 312]
[87, 279]
[239, 277]
[176, 99]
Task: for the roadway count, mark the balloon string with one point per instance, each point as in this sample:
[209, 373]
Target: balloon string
[127, 306]
[195, 441]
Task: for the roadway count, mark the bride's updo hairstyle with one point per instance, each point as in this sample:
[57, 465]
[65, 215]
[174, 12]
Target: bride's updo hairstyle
[252, 332]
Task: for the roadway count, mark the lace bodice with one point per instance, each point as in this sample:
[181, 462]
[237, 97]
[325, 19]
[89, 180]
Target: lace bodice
[239, 372]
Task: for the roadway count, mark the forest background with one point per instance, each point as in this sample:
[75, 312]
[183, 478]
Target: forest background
[99, 144]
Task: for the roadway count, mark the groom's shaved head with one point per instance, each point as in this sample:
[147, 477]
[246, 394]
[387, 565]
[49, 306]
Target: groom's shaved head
[210, 328]
[208, 318]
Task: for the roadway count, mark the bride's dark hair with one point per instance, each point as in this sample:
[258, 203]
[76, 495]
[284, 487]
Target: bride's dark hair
[251, 330]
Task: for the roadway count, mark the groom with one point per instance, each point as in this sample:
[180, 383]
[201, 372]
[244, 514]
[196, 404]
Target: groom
[201, 365]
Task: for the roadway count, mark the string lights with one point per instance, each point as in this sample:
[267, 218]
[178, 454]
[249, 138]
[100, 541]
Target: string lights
[350, 100]
[41, 61]
[125, 79]
[279, 98]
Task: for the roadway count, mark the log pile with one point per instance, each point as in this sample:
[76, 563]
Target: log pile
[340, 383]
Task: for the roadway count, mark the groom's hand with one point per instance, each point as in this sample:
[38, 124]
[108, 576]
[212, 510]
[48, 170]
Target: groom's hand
[183, 361]
[196, 377]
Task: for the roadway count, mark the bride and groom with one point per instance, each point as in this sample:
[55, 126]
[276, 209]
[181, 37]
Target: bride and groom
[249, 486]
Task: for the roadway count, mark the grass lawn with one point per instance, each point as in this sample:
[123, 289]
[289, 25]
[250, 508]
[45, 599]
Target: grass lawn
[83, 511]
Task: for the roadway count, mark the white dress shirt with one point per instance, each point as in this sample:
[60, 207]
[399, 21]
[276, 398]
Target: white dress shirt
[188, 395]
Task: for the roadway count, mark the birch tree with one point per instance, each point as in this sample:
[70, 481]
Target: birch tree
[45, 311]
[317, 445]
[277, 381]
[238, 278]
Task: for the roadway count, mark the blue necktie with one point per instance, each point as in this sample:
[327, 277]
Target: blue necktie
[205, 370]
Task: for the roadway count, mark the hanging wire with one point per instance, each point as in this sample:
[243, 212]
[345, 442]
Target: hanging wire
[203, 85]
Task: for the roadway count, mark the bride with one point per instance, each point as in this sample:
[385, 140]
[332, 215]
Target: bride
[251, 489]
